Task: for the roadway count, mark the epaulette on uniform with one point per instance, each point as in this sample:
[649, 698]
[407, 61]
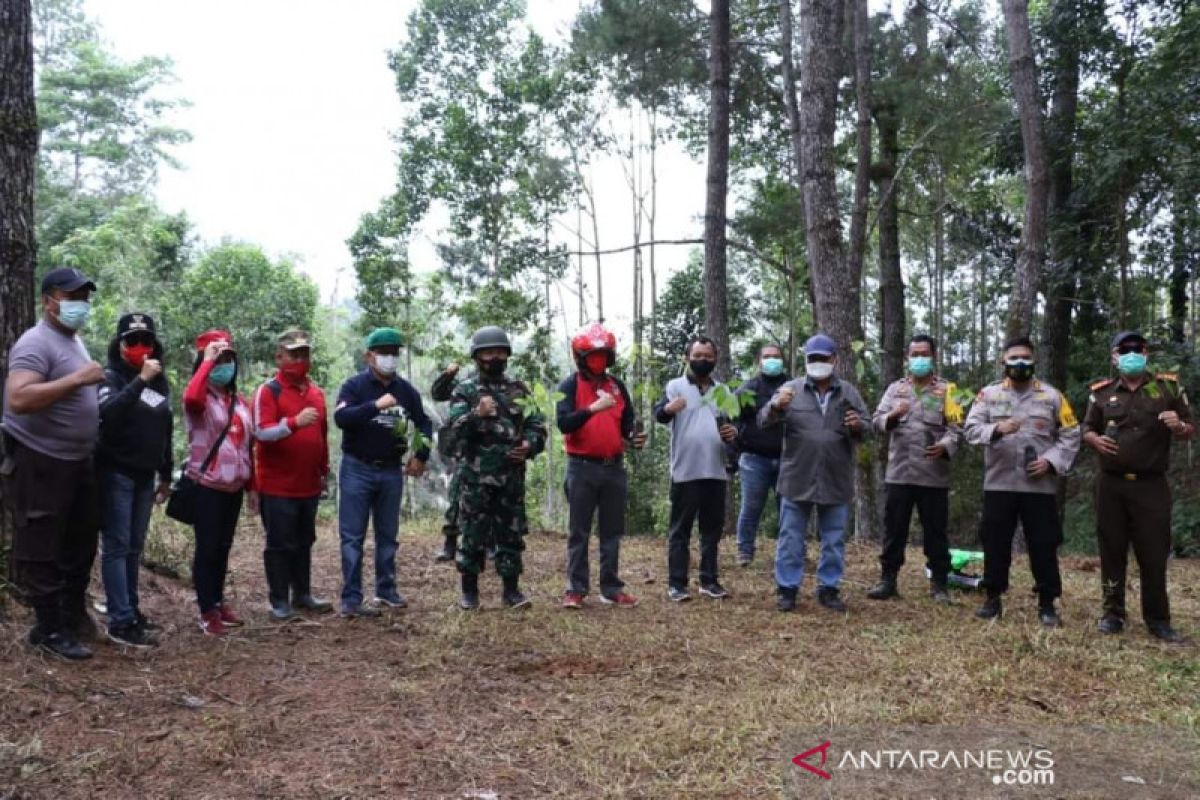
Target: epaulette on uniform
[1100, 384]
[1173, 377]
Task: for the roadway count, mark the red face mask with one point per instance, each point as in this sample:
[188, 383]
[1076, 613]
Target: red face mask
[297, 370]
[596, 363]
[136, 354]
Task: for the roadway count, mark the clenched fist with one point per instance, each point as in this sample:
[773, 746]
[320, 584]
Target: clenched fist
[89, 374]
[151, 369]
[307, 417]
[675, 406]
[785, 397]
[486, 407]
[385, 402]
[603, 401]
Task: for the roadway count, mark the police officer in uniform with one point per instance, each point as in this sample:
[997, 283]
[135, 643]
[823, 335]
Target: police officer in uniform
[925, 421]
[1030, 434]
[1131, 421]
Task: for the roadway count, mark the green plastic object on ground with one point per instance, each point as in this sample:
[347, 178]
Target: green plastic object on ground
[960, 561]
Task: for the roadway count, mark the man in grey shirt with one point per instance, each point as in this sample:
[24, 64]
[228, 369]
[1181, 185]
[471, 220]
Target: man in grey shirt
[823, 418]
[51, 423]
[698, 436]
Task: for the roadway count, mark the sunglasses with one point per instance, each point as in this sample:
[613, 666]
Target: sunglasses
[816, 358]
[1126, 349]
[134, 339]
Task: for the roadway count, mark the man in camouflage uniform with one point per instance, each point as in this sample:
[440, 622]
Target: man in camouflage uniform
[441, 391]
[925, 422]
[1130, 422]
[495, 437]
[1031, 435]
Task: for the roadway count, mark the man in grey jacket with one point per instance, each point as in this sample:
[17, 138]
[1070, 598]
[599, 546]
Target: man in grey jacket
[823, 419]
[1031, 435]
[698, 477]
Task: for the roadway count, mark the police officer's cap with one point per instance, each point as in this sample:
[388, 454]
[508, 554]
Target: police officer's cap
[490, 336]
[1125, 336]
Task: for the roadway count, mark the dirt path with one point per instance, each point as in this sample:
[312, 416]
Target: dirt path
[704, 699]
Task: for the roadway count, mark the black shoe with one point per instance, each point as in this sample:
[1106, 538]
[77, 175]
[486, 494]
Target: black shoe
[1048, 616]
[469, 601]
[745, 559]
[714, 591]
[1111, 624]
[306, 602]
[514, 598]
[991, 609]
[830, 598]
[885, 589]
[677, 594]
[939, 593]
[145, 623]
[282, 612]
[785, 599]
[447, 551]
[62, 645]
[131, 635]
[1164, 632]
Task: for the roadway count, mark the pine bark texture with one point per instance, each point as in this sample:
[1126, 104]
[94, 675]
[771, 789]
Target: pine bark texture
[716, 310]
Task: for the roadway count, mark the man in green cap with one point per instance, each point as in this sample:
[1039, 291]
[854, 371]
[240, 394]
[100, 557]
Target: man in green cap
[376, 410]
[495, 436]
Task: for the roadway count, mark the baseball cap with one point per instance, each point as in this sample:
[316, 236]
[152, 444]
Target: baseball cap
[294, 339]
[820, 345]
[136, 322]
[1125, 336]
[66, 278]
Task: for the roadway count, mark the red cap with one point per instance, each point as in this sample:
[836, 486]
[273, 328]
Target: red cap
[215, 335]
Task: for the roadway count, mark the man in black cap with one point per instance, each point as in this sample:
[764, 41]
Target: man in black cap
[51, 421]
[1131, 421]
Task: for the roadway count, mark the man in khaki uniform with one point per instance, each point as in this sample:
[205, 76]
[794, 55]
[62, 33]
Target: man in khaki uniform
[1031, 435]
[1130, 422]
[925, 422]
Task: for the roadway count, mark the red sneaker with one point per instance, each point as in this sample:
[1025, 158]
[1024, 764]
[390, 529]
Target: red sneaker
[211, 624]
[229, 617]
[572, 600]
[620, 599]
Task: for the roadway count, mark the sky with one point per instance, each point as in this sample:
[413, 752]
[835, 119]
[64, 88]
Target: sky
[293, 107]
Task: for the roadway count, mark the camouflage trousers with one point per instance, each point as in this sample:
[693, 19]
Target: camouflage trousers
[491, 516]
[450, 528]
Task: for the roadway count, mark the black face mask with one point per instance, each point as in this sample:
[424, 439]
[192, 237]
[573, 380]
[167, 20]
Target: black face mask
[1019, 373]
[701, 368]
[493, 367]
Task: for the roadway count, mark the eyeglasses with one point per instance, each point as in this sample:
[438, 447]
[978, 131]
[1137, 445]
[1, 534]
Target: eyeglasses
[135, 339]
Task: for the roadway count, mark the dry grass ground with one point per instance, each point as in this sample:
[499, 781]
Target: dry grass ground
[697, 700]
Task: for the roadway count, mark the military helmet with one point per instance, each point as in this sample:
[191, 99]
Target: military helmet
[490, 336]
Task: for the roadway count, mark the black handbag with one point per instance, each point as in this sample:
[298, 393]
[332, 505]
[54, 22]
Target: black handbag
[181, 504]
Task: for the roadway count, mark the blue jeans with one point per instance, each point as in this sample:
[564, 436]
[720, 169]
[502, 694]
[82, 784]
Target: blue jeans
[789, 551]
[759, 475]
[373, 493]
[125, 504]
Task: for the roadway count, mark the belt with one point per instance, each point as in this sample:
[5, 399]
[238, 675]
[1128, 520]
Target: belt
[1134, 476]
[377, 463]
[597, 460]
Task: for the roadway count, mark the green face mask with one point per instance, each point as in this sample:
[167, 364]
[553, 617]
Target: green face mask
[222, 374]
[920, 366]
[1131, 364]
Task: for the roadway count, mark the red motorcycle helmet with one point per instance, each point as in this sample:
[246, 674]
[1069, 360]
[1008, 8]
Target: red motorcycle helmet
[591, 338]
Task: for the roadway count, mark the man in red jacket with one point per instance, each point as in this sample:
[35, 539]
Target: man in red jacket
[291, 434]
[597, 420]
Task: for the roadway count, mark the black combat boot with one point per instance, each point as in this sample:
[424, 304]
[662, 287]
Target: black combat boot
[939, 592]
[512, 596]
[449, 544]
[785, 598]
[992, 608]
[470, 592]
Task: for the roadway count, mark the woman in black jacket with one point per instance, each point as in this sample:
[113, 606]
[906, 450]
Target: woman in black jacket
[135, 447]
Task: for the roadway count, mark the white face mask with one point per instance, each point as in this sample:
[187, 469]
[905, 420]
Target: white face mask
[386, 364]
[818, 370]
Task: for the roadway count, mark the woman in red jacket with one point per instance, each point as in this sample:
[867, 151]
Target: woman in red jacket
[219, 431]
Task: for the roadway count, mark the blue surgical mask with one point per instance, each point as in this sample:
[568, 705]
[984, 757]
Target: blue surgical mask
[920, 366]
[772, 367]
[1131, 364]
[74, 313]
[222, 374]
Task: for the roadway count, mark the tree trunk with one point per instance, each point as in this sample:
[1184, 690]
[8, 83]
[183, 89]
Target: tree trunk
[891, 279]
[862, 168]
[1182, 213]
[716, 311]
[790, 103]
[1062, 274]
[18, 169]
[1023, 72]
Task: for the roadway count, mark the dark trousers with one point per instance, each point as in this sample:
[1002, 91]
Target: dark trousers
[704, 499]
[291, 529]
[55, 506]
[1136, 513]
[932, 506]
[595, 490]
[216, 522]
[1038, 515]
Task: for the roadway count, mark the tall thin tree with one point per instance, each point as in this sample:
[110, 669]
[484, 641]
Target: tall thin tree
[716, 307]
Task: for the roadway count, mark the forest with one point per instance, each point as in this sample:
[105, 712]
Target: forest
[967, 169]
